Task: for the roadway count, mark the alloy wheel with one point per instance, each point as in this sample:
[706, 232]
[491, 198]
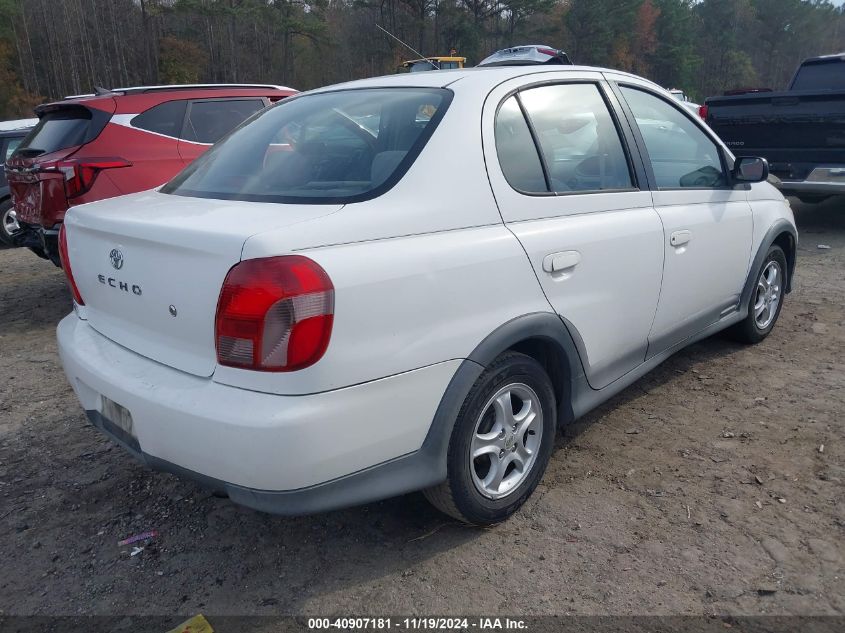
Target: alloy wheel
[768, 296]
[506, 440]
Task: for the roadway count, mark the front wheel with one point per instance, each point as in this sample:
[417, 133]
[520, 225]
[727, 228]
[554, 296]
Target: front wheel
[8, 222]
[766, 299]
[501, 442]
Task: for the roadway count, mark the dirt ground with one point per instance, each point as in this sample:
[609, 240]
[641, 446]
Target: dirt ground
[701, 489]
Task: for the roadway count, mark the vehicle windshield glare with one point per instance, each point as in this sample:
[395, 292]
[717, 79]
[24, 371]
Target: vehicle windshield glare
[333, 147]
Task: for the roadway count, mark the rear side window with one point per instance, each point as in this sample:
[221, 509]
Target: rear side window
[580, 146]
[333, 147]
[516, 150]
[165, 118]
[209, 121]
[60, 129]
[681, 154]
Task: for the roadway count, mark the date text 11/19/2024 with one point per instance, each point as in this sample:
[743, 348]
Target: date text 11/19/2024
[418, 623]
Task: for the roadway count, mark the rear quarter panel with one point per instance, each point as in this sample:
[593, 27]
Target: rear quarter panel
[408, 302]
[154, 157]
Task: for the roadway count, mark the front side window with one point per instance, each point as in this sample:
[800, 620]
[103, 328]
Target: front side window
[209, 121]
[342, 146]
[681, 154]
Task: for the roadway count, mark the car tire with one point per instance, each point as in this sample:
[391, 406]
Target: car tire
[513, 446]
[6, 221]
[766, 299]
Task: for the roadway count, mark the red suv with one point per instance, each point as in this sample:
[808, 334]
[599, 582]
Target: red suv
[116, 142]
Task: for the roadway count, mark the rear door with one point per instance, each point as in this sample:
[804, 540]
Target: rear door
[569, 189]
[209, 120]
[707, 222]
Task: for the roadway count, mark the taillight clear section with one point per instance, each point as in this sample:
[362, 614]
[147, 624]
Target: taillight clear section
[274, 314]
[65, 258]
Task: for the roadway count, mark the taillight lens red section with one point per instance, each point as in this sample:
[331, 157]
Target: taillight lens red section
[702, 112]
[274, 314]
[80, 174]
[63, 255]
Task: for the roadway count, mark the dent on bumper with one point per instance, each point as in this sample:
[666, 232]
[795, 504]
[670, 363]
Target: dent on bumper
[284, 454]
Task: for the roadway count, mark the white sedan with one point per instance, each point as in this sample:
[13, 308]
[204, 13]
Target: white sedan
[412, 282]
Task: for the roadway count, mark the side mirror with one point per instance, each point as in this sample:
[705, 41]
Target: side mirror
[750, 169]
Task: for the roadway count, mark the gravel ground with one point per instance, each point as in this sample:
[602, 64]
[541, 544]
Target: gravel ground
[701, 489]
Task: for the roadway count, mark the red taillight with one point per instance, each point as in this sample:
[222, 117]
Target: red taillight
[548, 51]
[274, 314]
[80, 173]
[63, 255]
[702, 112]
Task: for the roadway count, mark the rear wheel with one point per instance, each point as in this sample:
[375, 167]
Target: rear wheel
[501, 442]
[766, 299]
[8, 222]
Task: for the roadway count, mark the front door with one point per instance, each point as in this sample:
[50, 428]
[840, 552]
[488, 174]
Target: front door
[707, 223]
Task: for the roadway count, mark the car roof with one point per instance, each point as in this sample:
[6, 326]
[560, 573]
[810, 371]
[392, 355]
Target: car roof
[17, 126]
[824, 58]
[143, 97]
[489, 75]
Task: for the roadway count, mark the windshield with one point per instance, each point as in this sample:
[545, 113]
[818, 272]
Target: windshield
[331, 147]
[57, 130]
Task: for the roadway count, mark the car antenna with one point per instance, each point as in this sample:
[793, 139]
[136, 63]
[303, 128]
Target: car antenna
[408, 46]
[99, 90]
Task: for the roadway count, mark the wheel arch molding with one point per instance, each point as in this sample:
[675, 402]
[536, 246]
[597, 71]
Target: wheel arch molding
[541, 335]
[782, 233]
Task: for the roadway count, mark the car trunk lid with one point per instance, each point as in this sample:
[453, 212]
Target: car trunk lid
[150, 267]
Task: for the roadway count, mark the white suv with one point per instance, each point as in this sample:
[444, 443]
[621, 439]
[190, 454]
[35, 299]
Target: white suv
[411, 282]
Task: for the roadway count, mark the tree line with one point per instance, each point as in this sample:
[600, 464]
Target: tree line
[53, 48]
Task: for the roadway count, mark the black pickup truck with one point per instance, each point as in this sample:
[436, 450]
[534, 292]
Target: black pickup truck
[801, 131]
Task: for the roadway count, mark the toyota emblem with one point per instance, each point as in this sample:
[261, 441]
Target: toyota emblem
[116, 258]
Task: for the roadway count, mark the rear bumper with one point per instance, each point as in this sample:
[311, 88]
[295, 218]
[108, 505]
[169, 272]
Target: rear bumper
[815, 180]
[805, 187]
[278, 454]
[43, 242]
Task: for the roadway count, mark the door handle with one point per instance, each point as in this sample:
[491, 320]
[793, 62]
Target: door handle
[557, 262]
[679, 238]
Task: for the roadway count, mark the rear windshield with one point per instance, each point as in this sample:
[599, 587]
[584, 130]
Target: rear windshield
[333, 147]
[827, 75]
[58, 130]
